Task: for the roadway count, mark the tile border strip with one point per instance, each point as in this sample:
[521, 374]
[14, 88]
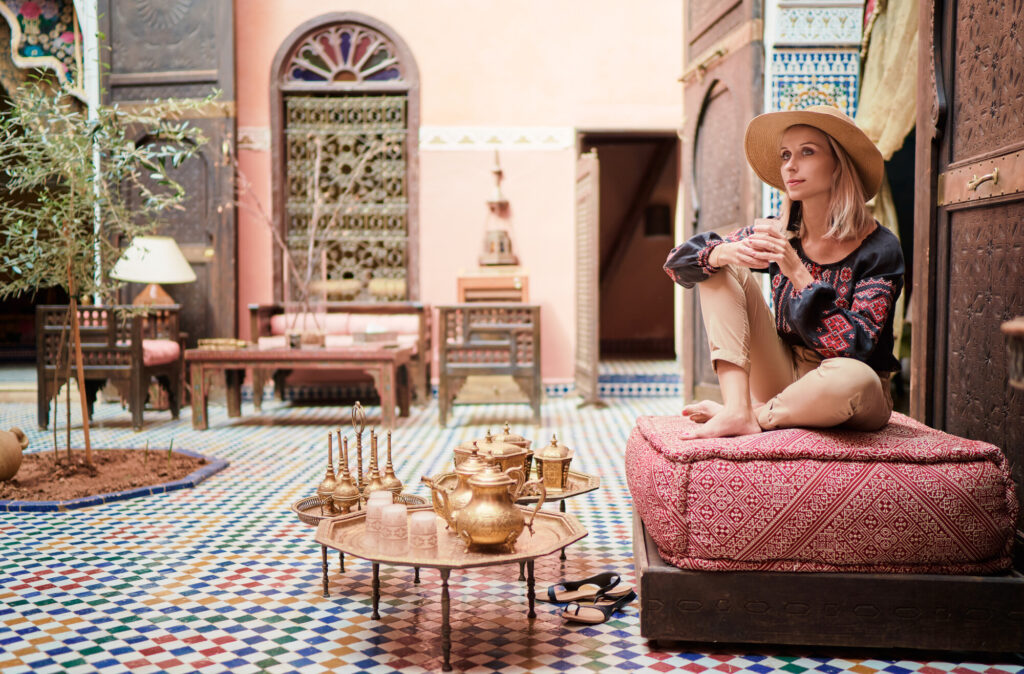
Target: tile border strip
[213, 466]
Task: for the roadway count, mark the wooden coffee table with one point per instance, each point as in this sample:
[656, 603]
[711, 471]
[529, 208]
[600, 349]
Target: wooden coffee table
[387, 364]
[347, 533]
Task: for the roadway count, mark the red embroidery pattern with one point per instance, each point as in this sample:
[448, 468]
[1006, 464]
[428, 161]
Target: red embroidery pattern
[907, 499]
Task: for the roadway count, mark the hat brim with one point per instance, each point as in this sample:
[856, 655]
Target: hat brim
[764, 133]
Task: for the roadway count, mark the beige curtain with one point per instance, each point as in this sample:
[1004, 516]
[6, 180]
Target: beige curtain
[888, 86]
[887, 108]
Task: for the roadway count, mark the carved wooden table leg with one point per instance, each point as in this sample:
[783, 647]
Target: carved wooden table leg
[384, 381]
[199, 410]
[341, 561]
[323, 554]
[446, 627]
[530, 588]
[376, 591]
[522, 570]
[233, 382]
[416, 578]
[404, 390]
[259, 380]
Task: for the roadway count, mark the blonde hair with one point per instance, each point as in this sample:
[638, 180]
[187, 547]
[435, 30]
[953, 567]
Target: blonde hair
[848, 215]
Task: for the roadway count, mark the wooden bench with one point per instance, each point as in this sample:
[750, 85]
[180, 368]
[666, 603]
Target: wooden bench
[126, 349]
[263, 324]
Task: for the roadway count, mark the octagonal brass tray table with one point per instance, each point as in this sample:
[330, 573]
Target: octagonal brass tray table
[347, 533]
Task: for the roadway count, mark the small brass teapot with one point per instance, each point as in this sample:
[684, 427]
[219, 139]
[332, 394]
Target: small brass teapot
[492, 519]
[447, 504]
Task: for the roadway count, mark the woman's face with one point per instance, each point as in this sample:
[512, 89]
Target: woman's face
[807, 163]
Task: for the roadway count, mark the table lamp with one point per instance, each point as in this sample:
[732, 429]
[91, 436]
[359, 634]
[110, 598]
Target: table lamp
[153, 260]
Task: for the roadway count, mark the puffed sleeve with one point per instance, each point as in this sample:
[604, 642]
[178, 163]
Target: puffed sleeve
[836, 328]
[688, 263]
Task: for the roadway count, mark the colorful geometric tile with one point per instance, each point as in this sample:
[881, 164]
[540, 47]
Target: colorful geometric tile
[223, 577]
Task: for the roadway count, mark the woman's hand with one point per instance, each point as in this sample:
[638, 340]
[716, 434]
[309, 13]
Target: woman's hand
[770, 242]
[747, 252]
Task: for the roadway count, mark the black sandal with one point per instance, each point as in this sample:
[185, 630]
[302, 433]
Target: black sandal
[575, 590]
[598, 612]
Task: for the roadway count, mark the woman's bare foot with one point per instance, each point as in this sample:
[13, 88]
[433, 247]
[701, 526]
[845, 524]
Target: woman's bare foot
[729, 422]
[702, 411]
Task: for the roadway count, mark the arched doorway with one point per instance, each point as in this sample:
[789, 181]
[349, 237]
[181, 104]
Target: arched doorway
[345, 118]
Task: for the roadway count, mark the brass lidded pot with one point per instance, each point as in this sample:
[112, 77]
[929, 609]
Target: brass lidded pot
[511, 438]
[508, 455]
[492, 519]
[553, 465]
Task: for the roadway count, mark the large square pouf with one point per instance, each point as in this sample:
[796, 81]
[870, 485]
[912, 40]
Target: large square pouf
[825, 537]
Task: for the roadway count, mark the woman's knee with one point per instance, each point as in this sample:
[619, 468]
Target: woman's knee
[848, 377]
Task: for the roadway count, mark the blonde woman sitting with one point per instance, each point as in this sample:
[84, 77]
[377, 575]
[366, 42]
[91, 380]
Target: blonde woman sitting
[825, 358]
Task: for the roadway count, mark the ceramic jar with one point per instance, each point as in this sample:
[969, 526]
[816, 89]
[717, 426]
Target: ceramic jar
[12, 443]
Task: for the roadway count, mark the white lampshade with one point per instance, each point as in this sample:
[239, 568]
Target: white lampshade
[153, 259]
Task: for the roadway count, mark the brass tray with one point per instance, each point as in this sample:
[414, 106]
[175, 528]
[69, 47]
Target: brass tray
[552, 531]
[308, 509]
[576, 484]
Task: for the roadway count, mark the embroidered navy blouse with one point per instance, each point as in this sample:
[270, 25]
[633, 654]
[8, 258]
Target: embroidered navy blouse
[846, 312]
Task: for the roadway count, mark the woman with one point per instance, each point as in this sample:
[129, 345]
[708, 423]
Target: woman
[825, 358]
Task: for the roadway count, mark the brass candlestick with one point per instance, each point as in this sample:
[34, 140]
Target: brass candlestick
[326, 488]
[358, 421]
[390, 480]
[346, 494]
[373, 481]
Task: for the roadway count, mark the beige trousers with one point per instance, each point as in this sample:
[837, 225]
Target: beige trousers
[797, 387]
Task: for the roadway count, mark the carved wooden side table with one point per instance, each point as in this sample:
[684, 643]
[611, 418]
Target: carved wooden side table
[347, 534]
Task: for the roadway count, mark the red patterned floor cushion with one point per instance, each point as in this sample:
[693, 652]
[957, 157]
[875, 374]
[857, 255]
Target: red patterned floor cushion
[906, 499]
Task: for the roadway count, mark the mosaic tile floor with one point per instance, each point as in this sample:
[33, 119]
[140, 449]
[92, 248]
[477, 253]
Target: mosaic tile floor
[224, 578]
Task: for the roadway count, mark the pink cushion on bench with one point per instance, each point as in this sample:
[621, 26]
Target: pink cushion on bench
[331, 323]
[159, 351]
[906, 499]
[408, 324]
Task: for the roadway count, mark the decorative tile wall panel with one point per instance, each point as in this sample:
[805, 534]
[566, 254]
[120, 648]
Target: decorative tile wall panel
[819, 25]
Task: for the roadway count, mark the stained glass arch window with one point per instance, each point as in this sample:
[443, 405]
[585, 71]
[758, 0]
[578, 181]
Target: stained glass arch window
[345, 121]
[345, 53]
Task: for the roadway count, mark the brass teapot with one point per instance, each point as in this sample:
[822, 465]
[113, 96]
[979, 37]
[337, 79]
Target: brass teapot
[447, 504]
[492, 519]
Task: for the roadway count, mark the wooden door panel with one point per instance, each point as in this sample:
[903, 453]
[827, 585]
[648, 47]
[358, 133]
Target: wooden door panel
[722, 193]
[969, 248]
[588, 206]
[185, 49]
[988, 77]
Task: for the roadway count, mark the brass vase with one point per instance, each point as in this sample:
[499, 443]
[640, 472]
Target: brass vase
[373, 480]
[346, 493]
[390, 480]
[327, 485]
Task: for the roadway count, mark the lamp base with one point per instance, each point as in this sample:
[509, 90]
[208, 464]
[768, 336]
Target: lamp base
[153, 294]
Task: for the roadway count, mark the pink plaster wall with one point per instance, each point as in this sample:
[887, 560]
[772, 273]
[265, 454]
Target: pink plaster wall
[597, 64]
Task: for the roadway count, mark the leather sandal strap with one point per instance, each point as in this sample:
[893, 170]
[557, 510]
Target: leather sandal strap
[552, 595]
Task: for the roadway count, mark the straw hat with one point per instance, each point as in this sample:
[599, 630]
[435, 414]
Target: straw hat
[764, 133]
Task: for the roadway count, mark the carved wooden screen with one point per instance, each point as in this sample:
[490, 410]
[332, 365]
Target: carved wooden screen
[724, 60]
[344, 148]
[969, 221]
[587, 267]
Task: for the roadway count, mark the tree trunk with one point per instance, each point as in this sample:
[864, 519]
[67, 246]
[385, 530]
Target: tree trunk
[76, 334]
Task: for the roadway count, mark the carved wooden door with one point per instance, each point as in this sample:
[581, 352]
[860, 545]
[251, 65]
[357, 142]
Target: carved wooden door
[722, 91]
[185, 49]
[969, 220]
[588, 206]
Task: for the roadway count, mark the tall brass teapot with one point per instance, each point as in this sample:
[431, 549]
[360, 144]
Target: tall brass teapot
[491, 519]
